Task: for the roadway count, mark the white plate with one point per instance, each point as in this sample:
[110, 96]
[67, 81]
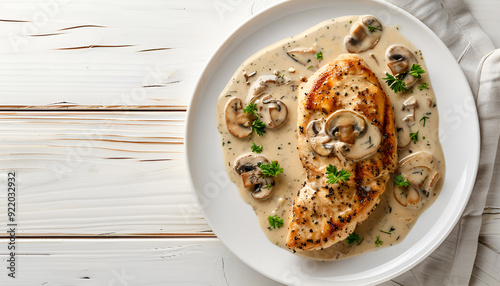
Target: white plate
[235, 223]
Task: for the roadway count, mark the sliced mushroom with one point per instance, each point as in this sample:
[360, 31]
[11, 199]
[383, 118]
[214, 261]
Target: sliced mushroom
[420, 170]
[353, 137]
[304, 56]
[409, 106]
[247, 166]
[361, 38]
[400, 61]
[406, 196]
[403, 132]
[272, 111]
[260, 85]
[317, 137]
[238, 123]
[403, 126]
[346, 125]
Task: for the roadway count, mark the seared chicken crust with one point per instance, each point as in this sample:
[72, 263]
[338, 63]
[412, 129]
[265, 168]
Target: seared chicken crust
[325, 213]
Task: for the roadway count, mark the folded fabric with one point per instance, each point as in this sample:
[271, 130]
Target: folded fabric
[453, 261]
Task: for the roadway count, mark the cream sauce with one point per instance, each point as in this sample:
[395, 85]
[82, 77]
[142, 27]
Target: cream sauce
[390, 221]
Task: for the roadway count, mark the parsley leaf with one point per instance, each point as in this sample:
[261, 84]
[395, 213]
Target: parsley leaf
[423, 86]
[353, 238]
[258, 126]
[335, 175]
[310, 67]
[395, 83]
[416, 70]
[424, 119]
[275, 221]
[372, 28]
[319, 55]
[256, 148]
[414, 137]
[401, 181]
[251, 108]
[269, 186]
[378, 242]
[271, 169]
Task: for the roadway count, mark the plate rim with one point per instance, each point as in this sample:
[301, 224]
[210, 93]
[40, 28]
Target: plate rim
[194, 100]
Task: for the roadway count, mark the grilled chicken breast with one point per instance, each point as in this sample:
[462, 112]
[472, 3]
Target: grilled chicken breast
[345, 120]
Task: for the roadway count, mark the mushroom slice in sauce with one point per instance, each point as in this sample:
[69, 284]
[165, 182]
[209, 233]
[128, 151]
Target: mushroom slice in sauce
[353, 137]
[400, 61]
[403, 126]
[420, 170]
[259, 86]
[252, 177]
[317, 137]
[238, 123]
[403, 132]
[361, 38]
[272, 111]
[406, 196]
[304, 56]
[409, 106]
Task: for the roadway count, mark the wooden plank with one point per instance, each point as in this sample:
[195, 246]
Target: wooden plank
[127, 262]
[97, 173]
[107, 262]
[109, 174]
[60, 54]
[119, 54]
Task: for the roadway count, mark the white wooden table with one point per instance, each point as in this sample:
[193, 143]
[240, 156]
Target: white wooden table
[93, 96]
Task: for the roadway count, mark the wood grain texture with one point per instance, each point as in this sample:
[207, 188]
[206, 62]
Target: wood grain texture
[71, 54]
[130, 262]
[113, 54]
[98, 173]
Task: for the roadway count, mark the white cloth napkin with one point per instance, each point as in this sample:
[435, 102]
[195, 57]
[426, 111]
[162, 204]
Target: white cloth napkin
[453, 261]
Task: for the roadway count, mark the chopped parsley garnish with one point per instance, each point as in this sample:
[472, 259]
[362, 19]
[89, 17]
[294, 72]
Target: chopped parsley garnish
[310, 67]
[269, 186]
[388, 232]
[319, 55]
[335, 175]
[396, 83]
[378, 242]
[258, 126]
[353, 238]
[251, 108]
[401, 181]
[275, 221]
[423, 86]
[424, 118]
[256, 148]
[416, 70]
[271, 169]
[372, 28]
[414, 137]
